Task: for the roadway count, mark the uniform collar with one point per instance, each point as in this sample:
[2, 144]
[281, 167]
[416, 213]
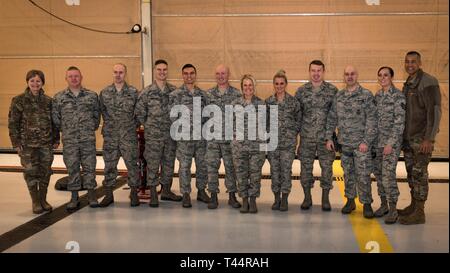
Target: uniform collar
[28, 94]
[415, 82]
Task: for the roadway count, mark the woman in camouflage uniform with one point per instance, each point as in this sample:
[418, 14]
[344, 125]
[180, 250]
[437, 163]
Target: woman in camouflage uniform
[288, 126]
[391, 119]
[34, 137]
[248, 158]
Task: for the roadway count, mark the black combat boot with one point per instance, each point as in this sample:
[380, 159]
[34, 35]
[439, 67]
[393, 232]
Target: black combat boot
[383, 210]
[154, 203]
[277, 201]
[367, 211]
[252, 205]
[284, 201]
[232, 201]
[349, 206]
[245, 205]
[202, 196]
[109, 197]
[35, 199]
[168, 195]
[186, 200]
[74, 203]
[307, 202]
[392, 216]
[43, 197]
[326, 206]
[92, 198]
[134, 198]
[214, 203]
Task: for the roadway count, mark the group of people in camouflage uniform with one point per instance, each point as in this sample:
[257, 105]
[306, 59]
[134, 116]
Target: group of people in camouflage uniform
[371, 131]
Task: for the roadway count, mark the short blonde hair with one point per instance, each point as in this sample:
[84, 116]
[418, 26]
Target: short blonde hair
[248, 77]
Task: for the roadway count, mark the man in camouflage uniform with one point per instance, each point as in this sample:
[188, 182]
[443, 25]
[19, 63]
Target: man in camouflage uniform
[222, 94]
[194, 146]
[117, 102]
[282, 157]
[423, 114]
[391, 122]
[354, 114]
[34, 137]
[152, 111]
[315, 97]
[76, 113]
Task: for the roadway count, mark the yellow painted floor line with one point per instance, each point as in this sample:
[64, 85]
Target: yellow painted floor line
[369, 233]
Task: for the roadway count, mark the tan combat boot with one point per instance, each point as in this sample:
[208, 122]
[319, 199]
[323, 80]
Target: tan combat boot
[214, 203]
[252, 205]
[43, 197]
[154, 203]
[326, 206]
[277, 201]
[232, 201]
[307, 202]
[392, 216]
[109, 197]
[284, 201]
[410, 208]
[416, 217]
[383, 210]
[36, 204]
[245, 205]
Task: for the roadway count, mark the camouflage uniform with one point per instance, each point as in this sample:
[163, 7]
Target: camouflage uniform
[247, 157]
[78, 117]
[281, 159]
[391, 122]
[119, 132]
[188, 149]
[217, 149]
[152, 111]
[314, 107]
[30, 127]
[423, 114]
[355, 116]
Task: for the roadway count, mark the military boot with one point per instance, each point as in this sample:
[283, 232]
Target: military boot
[92, 198]
[252, 205]
[367, 211]
[307, 202]
[384, 209]
[214, 203]
[410, 208]
[186, 200]
[35, 200]
[284, 201]
[245, 205]
[134, 198]
[326, 206]
[392, 216]
[43, 197]
[202, 196]
[232, 201]
[109, 197]
[154, 203]
[349, 206]
[168, 195]
[277, 201]
[74, 203]
[416, 217]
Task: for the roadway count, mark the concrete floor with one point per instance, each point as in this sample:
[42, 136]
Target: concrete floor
[171, 228]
